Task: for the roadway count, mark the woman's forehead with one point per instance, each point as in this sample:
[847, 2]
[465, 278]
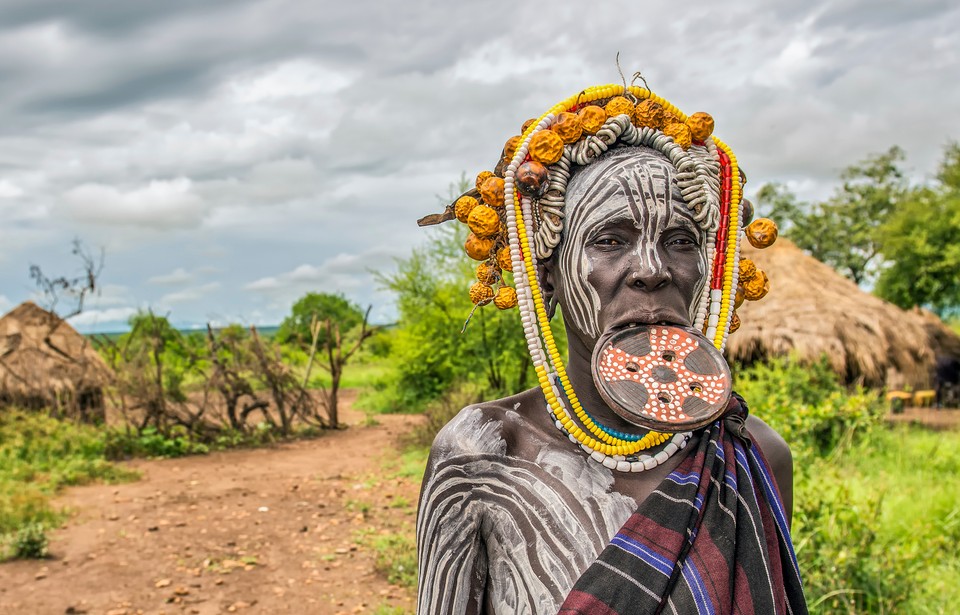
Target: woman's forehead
[625, 185]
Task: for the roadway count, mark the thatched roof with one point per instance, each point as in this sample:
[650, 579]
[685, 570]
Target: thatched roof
[813, 311]
[43, 358]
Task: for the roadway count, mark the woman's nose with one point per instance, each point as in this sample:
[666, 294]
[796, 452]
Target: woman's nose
[649, 272]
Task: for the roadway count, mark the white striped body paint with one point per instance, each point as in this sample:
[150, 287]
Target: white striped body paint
[499, 532]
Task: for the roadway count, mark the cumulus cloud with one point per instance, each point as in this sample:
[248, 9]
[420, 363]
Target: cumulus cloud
[92, 319]
[175, 278]
[189, 294]
[161, 204]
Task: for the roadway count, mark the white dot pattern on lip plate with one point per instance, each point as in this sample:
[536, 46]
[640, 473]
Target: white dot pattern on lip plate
[665, 399]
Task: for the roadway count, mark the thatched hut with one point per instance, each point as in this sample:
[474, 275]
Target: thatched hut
[45, 363]
[813, 311]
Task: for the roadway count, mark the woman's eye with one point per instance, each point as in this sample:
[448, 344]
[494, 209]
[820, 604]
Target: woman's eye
[607, 241]
[681, 240]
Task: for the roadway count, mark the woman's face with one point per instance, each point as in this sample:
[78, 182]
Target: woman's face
[631, 252]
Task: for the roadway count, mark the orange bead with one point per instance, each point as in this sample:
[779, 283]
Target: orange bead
[464, 206]
[482, 177]
[701, 125]
[478, 248]
[546, 147]
[648, 113]
[484, 221]
[568, 127]
[505, 298]
[592, 118]
[680, 133]
[619, 105]
[491, 190]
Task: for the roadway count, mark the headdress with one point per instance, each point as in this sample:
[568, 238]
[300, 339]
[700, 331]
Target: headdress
[516, 218]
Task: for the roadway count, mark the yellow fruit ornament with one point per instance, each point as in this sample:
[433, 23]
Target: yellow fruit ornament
[481, 294]
[680, 133]
[762, 232]
[478, 248]
[701, 125]
[568, 127]
[482, 177]
[546, 147]
[757, 287]
[484, 221]
[463, 207]
[503, 258]
[592, 118]
[505, 298]
[619, 105]
[648, 113]
[487, 273]
[492, 191]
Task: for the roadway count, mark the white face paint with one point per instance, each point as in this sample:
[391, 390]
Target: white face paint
[635, 190]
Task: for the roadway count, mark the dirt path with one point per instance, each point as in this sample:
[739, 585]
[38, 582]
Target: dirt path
[252, 531]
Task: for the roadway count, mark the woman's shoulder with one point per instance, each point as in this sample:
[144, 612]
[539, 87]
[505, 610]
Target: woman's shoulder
[487, 429]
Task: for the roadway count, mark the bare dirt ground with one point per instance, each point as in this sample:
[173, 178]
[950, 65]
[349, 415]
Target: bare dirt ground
[275, 530]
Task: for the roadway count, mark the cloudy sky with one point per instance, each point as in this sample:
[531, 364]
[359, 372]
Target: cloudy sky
[230, 156]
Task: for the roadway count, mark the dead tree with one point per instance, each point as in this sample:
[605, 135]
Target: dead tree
[337, 357]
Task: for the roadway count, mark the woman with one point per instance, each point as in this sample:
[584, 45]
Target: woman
[620, 484]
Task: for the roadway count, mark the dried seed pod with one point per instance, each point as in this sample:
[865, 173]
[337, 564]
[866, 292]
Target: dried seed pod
[649, 113]
[527, 124]
[488, 272]
[748, 269]
[592, 118]
[701, 125]
[505, 298]
[756, 287]
[619, 105]
[735, 322]
[484, 221]
[464, 206]
[481, 294]
[510, 147]
[762, 232]
[546, 147]
[568, 127]
[491, 191]
[739, 298]
[531, 178]
[482, 177]
[680, 133]
[478, 248]
[503, 258]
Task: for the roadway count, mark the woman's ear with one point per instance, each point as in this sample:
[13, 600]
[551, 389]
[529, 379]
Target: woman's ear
[546, 272]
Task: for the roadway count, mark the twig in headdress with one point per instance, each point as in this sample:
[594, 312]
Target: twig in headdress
[626, 90]
[469, 316]
[636, 76]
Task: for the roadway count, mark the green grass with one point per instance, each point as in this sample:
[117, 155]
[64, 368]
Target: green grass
[395, 555]
[38, 457]
[876, 523]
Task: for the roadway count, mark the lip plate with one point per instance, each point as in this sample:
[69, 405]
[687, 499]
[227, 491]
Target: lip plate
[706, 353]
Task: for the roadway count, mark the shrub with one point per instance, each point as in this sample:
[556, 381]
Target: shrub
[30, 542]
[807, 405]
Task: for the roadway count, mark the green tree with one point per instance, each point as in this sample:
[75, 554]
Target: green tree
[921, 242]
[317, 307]
[844, 231]
[430, 354]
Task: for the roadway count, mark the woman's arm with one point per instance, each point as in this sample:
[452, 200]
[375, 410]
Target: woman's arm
[452, 558]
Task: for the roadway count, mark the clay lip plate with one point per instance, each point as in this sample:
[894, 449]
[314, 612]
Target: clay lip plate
[661, 377]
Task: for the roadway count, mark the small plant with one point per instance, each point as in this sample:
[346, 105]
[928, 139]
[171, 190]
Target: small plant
[396, 556]
[30, 542]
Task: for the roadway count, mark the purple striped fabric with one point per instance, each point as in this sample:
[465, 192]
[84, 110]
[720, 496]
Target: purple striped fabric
[711, 539]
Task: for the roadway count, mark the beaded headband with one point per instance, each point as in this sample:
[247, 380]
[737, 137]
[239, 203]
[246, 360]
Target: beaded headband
[516, 216]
